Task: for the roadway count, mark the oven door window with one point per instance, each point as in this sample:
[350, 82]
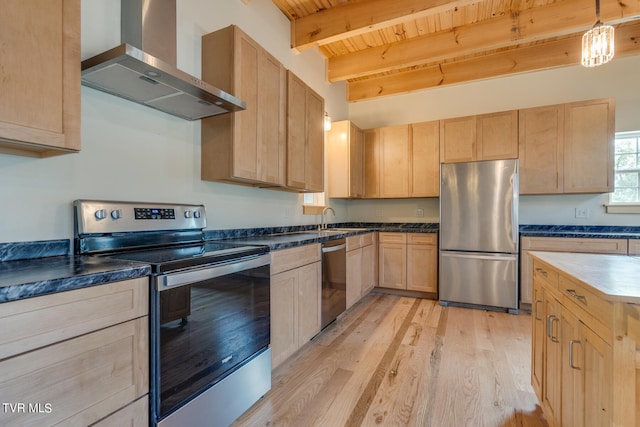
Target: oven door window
[207, 329]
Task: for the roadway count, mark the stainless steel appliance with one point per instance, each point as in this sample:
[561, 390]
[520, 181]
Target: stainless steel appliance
[334, 280]
[479, 234]
[209, 307]
[143, 68]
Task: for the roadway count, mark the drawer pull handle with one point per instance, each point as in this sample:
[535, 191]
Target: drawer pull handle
[541, 271]
[574, 295]
[550, 320]
[535, 310]
[571, 343]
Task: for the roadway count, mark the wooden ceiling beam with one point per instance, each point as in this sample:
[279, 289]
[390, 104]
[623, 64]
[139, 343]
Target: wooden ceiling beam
[539, 56]
[351, 19]
[560, 18]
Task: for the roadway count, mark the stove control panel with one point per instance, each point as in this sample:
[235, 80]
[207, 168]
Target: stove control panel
[94, 216]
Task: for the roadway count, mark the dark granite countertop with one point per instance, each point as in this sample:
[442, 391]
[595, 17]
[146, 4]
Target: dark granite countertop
[287, 237]
[581, 231]
[29, 269]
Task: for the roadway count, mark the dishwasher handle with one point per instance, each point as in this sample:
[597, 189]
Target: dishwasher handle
[327, 249]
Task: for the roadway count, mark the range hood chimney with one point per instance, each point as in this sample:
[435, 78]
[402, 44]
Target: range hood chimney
[143, 68]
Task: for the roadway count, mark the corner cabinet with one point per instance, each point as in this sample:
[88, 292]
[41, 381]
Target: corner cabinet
[567, 148]
[408, 261]
[305, 136]
[40, 74]
[246, 147]
[79, 357]
[345, 161]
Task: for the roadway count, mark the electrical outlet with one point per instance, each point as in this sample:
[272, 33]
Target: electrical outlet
[379, 213]
[420, 213]
[582, 213]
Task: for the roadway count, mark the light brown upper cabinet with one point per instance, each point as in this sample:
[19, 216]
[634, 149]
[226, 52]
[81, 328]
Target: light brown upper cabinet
[40, 74]
[394, 161]
[588, 146]
[484, 137]
[345, 144]
[305, 136]
[371, 164]
[246, 147]
[425, 160]
[567, 148]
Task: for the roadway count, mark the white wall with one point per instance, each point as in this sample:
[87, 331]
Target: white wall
[130, 152]
[617, 79]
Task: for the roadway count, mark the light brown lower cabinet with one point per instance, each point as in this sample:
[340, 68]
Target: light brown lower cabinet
[135, 414]
[408, 261]
[584, 349]
[561, 244]
[361, 266]
[295, 299]
[75, 357]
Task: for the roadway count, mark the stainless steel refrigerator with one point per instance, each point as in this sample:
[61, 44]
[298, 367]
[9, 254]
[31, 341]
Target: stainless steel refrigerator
[479, 234]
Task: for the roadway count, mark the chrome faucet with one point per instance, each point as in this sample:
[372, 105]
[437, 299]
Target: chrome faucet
[323, 224]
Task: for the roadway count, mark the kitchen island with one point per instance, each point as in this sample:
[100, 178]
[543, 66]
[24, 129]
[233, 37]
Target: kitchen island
[586, 337]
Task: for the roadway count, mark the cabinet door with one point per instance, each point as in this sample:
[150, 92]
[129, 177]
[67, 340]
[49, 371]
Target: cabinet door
[43, 71]
[296, 132]
[458, 139]
[338, 153]
[497, 135]
[371, 164]
[541, 144]
[551, 386]
[356, 160]
[284, 316]
[538, 337]
[572, 413]
[394, 161]
[272, 87]
[526, 276]
[392, 265]
[369, 268]
[588, 146]
[598, 367]
[314, 150]
[421, 268]
[354, 276]
[425, 160]
[309, 297]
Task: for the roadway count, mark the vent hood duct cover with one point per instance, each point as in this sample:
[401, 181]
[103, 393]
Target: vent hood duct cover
[131, 71]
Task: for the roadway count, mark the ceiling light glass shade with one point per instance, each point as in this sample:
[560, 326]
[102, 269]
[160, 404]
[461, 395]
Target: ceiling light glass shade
[327, 122]
[597, 45]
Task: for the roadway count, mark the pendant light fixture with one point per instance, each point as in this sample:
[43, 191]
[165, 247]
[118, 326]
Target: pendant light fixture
[597, 43]
[327, 121]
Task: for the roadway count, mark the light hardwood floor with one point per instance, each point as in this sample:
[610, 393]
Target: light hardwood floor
[399, 361]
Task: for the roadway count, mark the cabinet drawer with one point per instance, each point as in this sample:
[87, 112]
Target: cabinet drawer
[83, 379]
[37, 322]
[422, 238]
[354, 242]
[582, 245]
[386, 237]
[542, 272]
[367, 239]
[288, 259]
[577, 294]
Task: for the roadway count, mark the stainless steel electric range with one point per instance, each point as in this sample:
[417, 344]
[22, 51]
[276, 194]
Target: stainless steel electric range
[209, 307]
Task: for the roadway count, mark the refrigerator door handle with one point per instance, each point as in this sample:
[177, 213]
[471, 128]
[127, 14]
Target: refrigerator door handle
[476, 255]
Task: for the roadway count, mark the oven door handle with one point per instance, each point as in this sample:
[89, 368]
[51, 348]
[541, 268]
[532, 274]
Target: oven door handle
[184, 278]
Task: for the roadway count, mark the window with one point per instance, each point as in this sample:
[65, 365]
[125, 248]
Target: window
[313, 203]
[627, 168]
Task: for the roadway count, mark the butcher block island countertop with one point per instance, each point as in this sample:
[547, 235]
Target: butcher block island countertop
[585, 361]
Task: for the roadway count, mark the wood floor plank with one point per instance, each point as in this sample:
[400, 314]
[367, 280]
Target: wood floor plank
[399, 361]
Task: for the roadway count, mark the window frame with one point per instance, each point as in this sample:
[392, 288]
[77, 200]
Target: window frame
[625, 207]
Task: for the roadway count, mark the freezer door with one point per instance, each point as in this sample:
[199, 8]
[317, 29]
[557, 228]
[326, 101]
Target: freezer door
[479, 279]
[479, 206]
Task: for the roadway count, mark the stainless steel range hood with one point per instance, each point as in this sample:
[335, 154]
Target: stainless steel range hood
[142, 69]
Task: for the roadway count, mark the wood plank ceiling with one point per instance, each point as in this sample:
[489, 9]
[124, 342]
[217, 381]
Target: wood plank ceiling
[386, 47]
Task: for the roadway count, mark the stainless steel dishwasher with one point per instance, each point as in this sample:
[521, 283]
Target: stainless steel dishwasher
[334, 280]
